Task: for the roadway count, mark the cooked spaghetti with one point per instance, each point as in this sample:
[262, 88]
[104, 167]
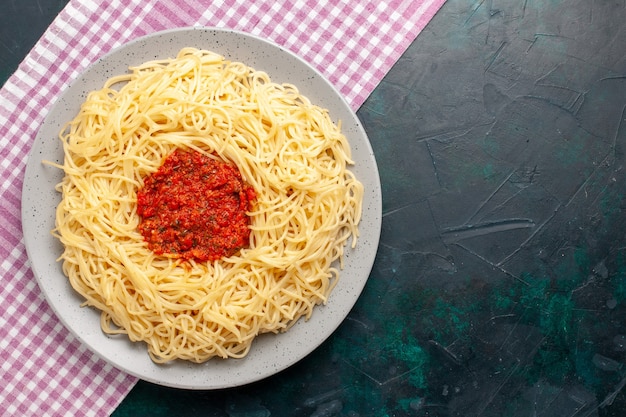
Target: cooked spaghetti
[306, 209]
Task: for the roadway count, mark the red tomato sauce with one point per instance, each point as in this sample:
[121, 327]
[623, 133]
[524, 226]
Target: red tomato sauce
[194, 207]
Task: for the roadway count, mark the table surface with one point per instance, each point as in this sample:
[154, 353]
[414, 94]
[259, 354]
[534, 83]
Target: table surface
[499, 288]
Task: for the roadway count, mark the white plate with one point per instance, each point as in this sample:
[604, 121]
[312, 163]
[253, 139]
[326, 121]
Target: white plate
[269, 353]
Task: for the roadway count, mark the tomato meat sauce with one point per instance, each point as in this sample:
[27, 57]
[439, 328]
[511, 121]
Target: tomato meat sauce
[194, 207]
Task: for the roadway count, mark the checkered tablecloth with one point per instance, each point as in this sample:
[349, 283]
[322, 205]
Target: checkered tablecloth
[45, 370]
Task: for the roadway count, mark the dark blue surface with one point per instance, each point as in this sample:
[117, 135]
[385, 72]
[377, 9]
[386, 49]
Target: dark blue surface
[499, 288]
[21, 24]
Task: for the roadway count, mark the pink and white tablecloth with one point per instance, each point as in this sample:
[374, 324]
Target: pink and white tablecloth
[45, 371]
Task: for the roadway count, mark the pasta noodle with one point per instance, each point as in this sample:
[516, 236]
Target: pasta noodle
[307, 207]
